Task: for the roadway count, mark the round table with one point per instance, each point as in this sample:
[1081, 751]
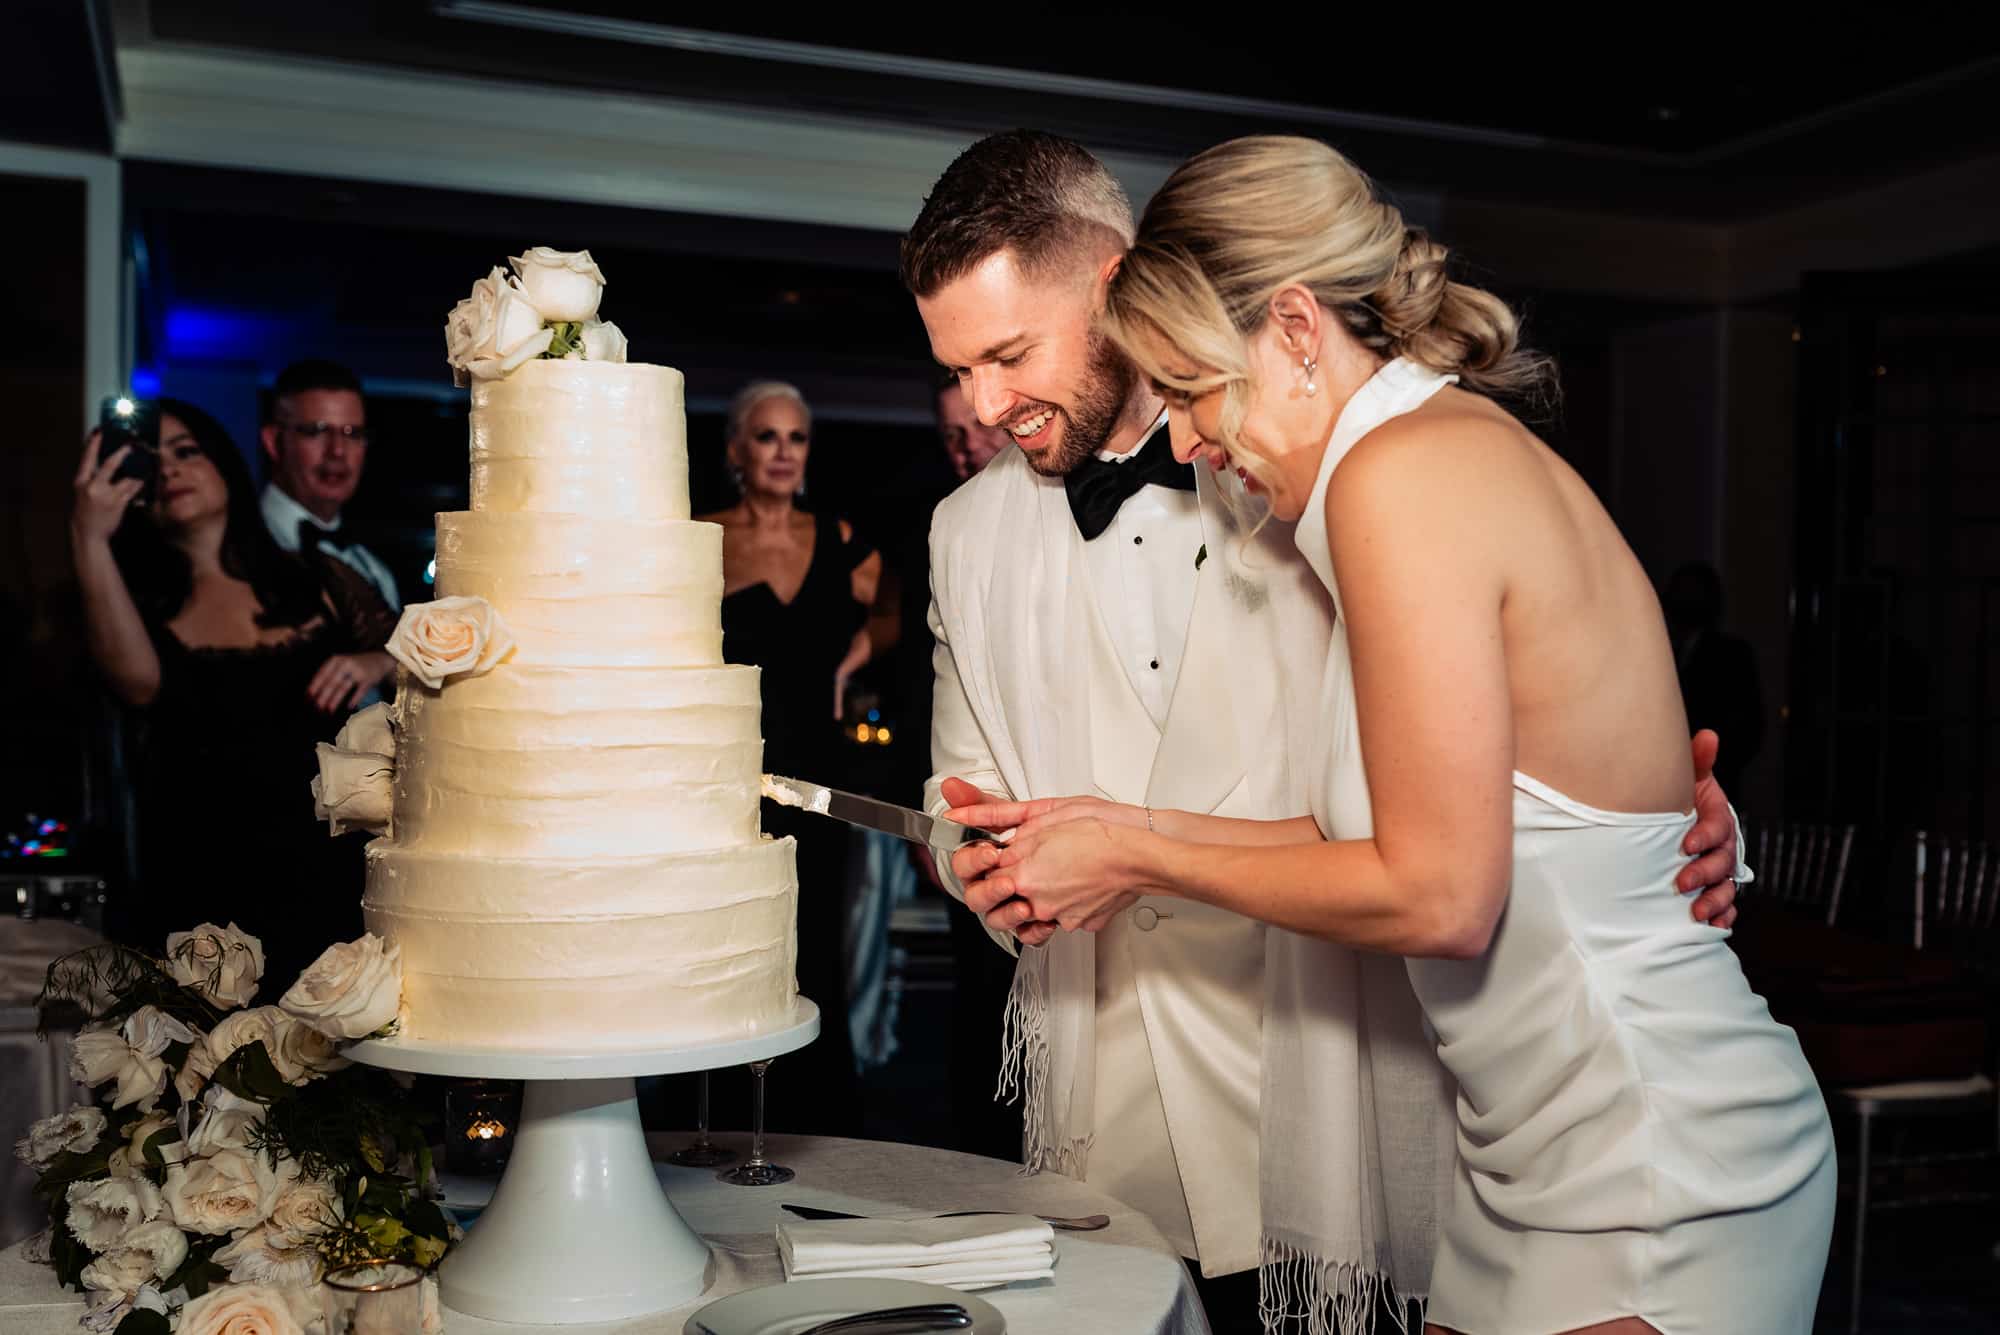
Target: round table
[1122, 1280]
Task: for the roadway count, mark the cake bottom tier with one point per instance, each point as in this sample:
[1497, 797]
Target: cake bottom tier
[590, 953]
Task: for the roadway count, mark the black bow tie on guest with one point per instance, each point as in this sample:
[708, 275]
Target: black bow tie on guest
[1098, 487]
[313, 538]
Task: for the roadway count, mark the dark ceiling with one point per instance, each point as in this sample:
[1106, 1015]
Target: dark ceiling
[1706, 123]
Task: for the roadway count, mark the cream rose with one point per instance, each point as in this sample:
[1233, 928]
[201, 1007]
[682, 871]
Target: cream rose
[257, 1258]
[239, 1309]
[351, 990]
[194, 1072]
[563, 285]
[151, 1031]
[101, 1053]
[228, 1191]
[448, 636]
[306, 1207]
[224, 964]
[223, 1129]
[103, 1212]
[354, 790]
[603, 342]
[61, 1133]
[494, 330]
[143, 1130]
[368, 730]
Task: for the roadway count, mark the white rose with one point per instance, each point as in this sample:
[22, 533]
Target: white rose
[194, 1072]
[257, 1258]
[61, 1133]
[222, 963]
[305, 1208]
[603, 342]
[105, 1312]
[143, 1130]
[103, 1212]
[495, 329]
[228, 1191]
[368, 730]
[563, 285]
[224, 1130]
[239, 1309]
[100, 1053]
[447, 636]
[351, 990]
[151, 1031]
[257, 1025]
[354, 790]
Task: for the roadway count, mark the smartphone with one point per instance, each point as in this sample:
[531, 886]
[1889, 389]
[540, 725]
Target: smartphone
[124, 420]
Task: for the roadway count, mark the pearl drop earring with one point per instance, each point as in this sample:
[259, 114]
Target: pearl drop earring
[1310, 366]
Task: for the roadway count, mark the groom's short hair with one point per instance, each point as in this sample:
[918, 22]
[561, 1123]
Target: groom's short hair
[1039, 195]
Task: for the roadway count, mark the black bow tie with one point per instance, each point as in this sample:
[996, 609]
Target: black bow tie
[1098, 487]
[313, 538]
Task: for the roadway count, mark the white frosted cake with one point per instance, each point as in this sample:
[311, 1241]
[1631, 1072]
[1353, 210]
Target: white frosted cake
[573, 857]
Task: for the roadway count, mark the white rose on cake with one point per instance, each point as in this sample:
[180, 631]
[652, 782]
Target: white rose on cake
[224, 964]
[354, 790]
[370, 731]
[60, 1133]
[603, 342]
[495, 329]
[447, 637]
[351, 991]
[564, 285]
[239, 1309]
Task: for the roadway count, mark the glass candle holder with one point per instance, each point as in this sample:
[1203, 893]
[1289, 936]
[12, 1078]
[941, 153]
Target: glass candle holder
[481, 1117]
[381, 1298]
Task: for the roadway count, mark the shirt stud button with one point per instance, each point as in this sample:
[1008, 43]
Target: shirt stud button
[1136, 540]
[1156, 665]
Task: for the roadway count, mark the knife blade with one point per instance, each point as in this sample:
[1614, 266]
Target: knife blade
[867, 812]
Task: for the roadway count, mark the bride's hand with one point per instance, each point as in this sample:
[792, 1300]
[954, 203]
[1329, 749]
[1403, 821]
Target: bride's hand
[1077, 874]
[1031, 817]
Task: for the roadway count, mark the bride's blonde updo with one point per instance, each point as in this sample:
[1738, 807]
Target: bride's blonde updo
[1234, 225]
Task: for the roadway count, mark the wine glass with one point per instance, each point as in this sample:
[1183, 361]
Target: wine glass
[757, 1171]
[704, 1153]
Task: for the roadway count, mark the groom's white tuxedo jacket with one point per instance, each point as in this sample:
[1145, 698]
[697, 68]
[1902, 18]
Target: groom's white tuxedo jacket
[1149, 1032]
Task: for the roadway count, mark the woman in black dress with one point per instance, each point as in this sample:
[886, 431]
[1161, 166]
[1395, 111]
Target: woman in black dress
[239, 658]
[797, 589]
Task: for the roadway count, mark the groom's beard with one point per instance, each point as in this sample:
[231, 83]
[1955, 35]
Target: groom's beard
[1088, 424]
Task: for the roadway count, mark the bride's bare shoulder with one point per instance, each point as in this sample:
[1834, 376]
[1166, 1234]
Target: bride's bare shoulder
[1457, 447]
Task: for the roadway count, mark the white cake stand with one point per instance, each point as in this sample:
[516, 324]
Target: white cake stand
[579, 1229]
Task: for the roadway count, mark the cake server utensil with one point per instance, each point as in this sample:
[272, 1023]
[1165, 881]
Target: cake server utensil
[867, 812]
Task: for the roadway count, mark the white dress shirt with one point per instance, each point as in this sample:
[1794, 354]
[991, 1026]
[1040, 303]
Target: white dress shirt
[283, 515]
[1142, 572]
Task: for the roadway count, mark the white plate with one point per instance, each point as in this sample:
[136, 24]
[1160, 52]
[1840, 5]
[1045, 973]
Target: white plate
[782, 1309]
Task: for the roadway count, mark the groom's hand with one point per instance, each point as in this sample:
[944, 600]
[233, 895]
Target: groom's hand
[1712, 841]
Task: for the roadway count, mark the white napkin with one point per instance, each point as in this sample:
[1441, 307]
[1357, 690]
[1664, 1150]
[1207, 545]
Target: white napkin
[969, 1252]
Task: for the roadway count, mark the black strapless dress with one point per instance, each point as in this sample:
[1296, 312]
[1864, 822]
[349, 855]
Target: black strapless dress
[799, 645]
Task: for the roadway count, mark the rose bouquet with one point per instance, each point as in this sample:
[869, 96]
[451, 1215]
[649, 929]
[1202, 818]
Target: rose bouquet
[546, 308]
[230, 1155]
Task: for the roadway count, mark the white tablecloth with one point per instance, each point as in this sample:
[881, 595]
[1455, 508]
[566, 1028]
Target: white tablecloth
[1123, 1280]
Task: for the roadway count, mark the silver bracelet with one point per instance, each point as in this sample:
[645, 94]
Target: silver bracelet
[1149, 822]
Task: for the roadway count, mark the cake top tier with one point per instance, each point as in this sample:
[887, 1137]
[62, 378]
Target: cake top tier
[581, 438]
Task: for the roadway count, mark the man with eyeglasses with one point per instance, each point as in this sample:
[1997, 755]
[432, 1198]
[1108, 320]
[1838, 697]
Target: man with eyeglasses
[316, 438]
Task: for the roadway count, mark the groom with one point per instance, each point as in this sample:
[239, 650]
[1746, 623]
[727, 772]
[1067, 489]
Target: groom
[1085, 645]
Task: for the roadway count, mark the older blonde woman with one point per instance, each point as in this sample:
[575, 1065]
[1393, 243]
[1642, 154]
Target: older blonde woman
[797, 588]
[1502, 786]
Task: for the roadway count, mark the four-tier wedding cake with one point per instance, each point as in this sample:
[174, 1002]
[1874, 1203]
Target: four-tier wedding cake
[572, 854]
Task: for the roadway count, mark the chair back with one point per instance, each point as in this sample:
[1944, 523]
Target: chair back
[1957, 898]
[1802, 865]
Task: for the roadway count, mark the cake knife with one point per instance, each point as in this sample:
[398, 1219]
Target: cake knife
[903, 822]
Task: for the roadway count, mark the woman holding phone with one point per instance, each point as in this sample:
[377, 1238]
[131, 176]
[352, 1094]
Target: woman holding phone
[240, 658]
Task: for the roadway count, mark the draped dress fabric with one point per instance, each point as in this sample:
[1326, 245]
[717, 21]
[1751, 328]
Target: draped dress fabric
[798, 645]
[1637, 1136]
[223, 790]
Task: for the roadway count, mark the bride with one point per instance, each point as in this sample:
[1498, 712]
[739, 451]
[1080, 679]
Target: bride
[1502, 779]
